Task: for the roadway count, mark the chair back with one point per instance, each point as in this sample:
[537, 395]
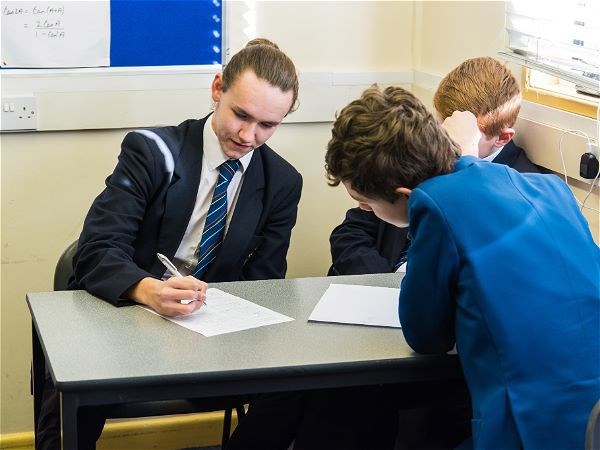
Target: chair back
[592, 432]
[64, 268]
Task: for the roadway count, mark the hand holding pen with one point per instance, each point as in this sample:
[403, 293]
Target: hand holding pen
[174, 272]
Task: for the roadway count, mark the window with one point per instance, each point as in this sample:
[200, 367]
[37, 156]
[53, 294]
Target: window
[559, 42]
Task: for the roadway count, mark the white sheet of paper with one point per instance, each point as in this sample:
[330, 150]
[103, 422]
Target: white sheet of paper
[55, 33]
[364, 305]
[402, 268]
[226, 313]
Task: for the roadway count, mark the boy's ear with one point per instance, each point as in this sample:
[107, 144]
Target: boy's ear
[404, 191]
[505, 136]
[217, 87]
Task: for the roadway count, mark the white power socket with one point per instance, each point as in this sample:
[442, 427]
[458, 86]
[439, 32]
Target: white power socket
[19, 113]
[593, 149]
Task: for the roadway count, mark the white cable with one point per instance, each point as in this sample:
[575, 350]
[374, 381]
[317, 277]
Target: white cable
[591, 188]
[589, 193]
[598, 174]
[564, 166]
[597, 155]
[598, 124]
[562, 158]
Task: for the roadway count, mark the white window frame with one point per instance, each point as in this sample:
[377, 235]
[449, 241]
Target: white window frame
[556, 42]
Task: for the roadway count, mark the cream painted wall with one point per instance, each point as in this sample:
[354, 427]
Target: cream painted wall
[447, 33]
[358, 35]
[48, 182]
[49, 179]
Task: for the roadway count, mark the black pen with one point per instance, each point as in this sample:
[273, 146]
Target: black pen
[173, 271]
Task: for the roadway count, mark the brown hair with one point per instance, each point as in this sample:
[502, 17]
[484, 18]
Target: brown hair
[268, 62]
[385, 140]
[484, 87]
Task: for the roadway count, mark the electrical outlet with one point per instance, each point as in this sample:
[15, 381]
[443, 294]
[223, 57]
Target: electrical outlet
[19, 113]
[593, 149]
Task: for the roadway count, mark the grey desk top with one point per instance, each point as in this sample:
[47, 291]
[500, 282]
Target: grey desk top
[89, 342]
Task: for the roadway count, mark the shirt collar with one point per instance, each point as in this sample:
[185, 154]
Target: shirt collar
[213, 155]
[492, 156]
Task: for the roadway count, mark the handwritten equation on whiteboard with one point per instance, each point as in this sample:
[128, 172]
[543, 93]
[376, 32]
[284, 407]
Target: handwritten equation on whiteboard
[44, 23]
[46, 34]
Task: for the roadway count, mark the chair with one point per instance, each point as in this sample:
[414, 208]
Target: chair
[64, 268]
[592, 431]
[62, 274]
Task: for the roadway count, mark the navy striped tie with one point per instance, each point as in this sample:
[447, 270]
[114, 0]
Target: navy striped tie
[403, 256]
[214, 227]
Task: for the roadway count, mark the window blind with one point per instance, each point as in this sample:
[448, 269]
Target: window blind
[559, 38]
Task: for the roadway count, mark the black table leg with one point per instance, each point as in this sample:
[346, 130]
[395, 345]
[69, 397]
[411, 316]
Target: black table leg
[38, 370]
[69, 408]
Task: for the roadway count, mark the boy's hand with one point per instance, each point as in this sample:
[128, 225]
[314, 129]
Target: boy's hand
[463, 129]
[164, 296]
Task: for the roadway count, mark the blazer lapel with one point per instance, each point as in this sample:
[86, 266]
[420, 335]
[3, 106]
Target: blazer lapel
[507, 155]
[181, 194]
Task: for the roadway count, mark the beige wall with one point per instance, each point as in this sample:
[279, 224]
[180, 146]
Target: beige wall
[50, 178]
[357, 35]
[449, 32]
[48, 182]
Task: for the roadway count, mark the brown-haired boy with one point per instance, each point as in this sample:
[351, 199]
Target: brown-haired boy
[364, 244]
[502, 264]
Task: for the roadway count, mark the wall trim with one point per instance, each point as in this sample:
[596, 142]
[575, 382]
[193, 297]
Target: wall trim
[169, 432]
[110, 99]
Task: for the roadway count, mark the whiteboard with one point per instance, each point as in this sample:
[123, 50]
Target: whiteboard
[51, 34]
[111, 33]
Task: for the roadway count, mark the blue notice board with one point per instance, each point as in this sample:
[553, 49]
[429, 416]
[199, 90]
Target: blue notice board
[129, 33]
[165, 32]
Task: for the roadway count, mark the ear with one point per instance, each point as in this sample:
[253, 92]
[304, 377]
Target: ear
[505, 136]
[404, 191]
[217, 87]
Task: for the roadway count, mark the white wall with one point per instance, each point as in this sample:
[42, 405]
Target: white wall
[356, 35]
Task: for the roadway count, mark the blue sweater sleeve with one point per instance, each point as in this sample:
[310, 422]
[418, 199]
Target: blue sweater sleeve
[428, 290]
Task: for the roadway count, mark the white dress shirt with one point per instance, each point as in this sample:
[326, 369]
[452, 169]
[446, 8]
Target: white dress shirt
[492, 156]
[186, 257]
